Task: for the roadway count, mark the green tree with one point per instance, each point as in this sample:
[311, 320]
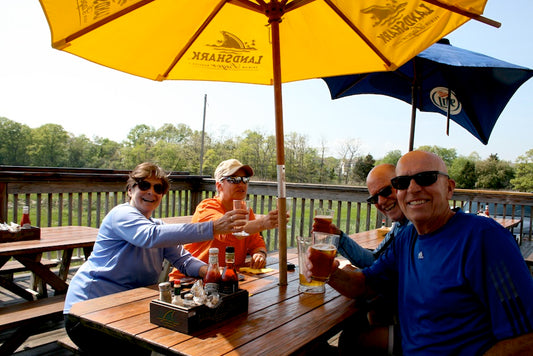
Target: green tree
[141, 135]
[363, 165]
[301, 160]
[80, 150]
[447, 154]
[391, 157]
[256, 150]
[133, 155]
[171, 134]
[49, 147]
[493, 173]
[524, 173]
[14, 143]
[463, 171]
[106, 153]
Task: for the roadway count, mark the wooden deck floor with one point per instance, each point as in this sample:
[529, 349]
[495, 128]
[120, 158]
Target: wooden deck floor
[45, 341]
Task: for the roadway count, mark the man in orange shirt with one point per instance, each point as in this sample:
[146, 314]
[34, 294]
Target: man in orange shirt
[232, 179]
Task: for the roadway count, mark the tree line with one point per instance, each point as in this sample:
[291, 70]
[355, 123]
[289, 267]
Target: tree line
[178, 148]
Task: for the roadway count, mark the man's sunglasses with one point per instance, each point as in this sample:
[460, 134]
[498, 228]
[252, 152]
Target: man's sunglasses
[145, 185]
[423, 179]
[237, 180]
[385, 192]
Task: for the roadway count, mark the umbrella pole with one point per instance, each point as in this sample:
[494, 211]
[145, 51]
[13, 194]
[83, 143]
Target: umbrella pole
[280, 152]
[413, 118]
[448, 112]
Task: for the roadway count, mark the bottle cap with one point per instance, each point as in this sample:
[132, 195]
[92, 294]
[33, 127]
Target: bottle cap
[230, 249]
[213, 250]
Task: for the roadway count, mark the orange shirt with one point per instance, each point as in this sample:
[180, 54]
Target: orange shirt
[212, 209]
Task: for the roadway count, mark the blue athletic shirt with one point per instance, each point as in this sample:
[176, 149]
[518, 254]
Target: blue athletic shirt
[461, 288]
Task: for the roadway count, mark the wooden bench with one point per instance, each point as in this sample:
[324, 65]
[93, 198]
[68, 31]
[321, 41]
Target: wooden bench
[68, 344]
[12, 267]
[36, 284]
[25, 317]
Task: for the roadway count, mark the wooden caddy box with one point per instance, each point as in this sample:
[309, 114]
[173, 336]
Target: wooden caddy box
[188, 320]
[33, 233]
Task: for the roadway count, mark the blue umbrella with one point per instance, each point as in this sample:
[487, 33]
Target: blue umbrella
[480, 86]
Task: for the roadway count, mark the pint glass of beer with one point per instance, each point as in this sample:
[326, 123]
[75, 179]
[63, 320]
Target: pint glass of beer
[313, 287]
[323, 220]
[321, 254]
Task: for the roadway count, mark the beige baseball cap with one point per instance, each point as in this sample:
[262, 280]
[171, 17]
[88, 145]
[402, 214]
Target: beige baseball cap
[229, 167]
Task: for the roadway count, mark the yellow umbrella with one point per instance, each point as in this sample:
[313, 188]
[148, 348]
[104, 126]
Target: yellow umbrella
[254, 41]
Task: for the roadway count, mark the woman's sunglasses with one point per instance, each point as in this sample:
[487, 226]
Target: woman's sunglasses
[385, 192]
[423, 179]
[237, 180]
[145, 185]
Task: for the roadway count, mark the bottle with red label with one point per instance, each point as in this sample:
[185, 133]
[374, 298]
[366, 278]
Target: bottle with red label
[212, 276]
[25, 221]
[230, 278]
[487, 210]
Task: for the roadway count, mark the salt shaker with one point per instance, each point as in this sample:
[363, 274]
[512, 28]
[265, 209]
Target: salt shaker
[165, 294]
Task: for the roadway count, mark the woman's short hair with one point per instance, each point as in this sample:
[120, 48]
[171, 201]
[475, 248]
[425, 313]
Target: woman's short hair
[147, 170]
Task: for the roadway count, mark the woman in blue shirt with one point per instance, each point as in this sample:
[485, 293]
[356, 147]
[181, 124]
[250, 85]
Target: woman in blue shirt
[130, 249]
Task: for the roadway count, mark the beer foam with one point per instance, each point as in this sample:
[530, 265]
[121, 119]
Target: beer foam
[325, 217]
[324, 247]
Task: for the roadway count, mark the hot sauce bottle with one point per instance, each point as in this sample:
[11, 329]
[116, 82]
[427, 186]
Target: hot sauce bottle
[230, 279]
[212, 277]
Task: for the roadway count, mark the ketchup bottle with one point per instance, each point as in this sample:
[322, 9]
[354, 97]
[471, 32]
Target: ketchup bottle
[25, 221]
[230, 279]
[212, 277]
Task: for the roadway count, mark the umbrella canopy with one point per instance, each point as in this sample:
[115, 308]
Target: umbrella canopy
[470, 88]
[254, 41]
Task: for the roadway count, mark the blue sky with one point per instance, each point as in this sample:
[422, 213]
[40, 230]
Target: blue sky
[40, 85]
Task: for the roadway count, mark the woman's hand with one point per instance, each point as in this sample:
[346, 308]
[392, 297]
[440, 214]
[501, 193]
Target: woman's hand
[232, 221]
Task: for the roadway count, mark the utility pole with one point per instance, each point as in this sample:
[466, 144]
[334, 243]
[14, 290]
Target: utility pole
[203, 134]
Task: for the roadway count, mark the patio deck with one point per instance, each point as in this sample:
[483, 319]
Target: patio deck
[45, 342]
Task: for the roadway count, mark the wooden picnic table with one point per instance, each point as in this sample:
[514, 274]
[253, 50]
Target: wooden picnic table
[508, 223]
[368, 239]
[372, 238]
[60, 238]
[280, 319]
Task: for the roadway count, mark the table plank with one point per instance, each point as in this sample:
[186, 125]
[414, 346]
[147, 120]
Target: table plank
[296, 335]
[368, 239]
[113, 300]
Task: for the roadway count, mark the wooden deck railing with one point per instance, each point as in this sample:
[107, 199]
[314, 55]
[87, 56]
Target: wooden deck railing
[60, 196]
